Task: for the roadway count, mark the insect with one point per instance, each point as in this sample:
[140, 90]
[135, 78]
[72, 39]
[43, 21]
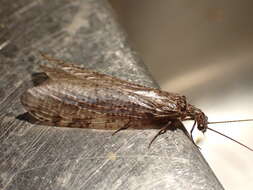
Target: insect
[77, 97]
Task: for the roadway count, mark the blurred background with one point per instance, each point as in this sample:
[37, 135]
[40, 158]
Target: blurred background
[204, 50]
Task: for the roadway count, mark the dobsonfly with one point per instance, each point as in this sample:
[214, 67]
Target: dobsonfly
[76, 97]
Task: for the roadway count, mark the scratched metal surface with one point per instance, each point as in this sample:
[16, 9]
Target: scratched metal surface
[41, 157]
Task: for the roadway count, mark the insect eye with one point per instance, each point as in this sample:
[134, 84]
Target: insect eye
[201, 126]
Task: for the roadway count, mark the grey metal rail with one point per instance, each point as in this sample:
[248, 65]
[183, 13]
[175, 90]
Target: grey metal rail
[41, 157]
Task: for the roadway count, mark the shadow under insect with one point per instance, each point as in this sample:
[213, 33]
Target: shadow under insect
[28, 118]
[38, 78]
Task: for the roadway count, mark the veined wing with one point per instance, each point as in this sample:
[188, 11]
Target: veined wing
[61, 70]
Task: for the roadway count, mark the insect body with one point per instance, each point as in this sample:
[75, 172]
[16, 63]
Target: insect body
[77, 97]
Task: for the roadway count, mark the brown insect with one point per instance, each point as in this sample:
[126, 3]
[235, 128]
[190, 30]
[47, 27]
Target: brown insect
[76, 97]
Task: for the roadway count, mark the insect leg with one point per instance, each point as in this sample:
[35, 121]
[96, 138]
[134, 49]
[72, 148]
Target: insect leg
[122, 128]
[162, 131]
[193, 129]
[194, 125]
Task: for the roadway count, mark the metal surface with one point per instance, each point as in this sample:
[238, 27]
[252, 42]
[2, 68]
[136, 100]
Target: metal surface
[41, 157]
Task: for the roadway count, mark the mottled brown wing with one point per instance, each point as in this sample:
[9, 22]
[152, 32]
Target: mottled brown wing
[60, 70]
[74, 95]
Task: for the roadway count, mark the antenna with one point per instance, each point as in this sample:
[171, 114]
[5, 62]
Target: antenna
[231, 121]
[230, 137]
